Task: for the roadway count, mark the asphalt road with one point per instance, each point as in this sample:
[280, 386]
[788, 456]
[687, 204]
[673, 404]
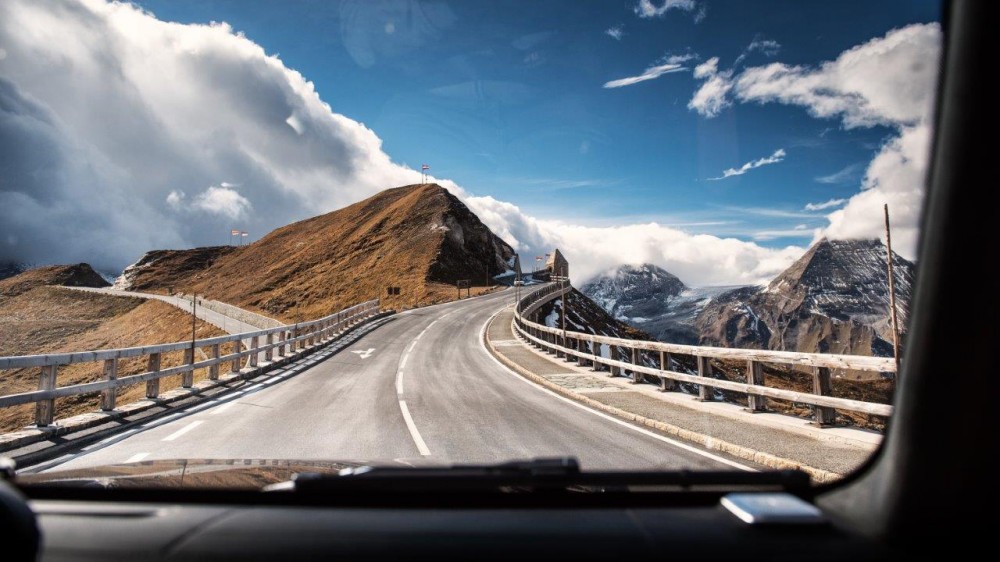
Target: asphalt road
[420, 389]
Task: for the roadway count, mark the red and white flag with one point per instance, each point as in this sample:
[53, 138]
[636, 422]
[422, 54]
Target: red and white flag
[234, 233]
[244, 234]
[425, 167]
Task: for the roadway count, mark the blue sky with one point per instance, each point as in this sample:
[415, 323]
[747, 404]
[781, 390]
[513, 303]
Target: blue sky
[715, 139]
[506, 99]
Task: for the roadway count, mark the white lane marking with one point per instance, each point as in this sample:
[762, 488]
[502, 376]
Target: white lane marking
[136, 457]
[364, 354]
[402, 362]
[417, 439]
[109, 439]
[412, 345]
[182, 430]
[222, 408]
[399, 382]
[161, 420]
[199, 407]
[622, 423]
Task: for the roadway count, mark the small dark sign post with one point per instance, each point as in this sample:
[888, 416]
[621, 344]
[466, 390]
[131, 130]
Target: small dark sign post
[464, 284]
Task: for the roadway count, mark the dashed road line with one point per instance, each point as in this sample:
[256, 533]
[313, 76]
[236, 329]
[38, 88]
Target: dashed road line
[116, 437]
[136, 458]
[183, 430]
[222, 408]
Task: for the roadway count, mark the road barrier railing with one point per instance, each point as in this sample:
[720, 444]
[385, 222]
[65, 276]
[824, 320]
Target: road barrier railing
[604, 352]
[280, 343]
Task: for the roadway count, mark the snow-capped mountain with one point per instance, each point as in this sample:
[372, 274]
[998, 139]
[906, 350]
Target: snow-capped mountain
[834, 299]
[652, 299]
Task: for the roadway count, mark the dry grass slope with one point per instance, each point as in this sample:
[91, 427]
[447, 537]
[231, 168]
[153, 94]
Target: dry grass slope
[48, 319]
[419, 238]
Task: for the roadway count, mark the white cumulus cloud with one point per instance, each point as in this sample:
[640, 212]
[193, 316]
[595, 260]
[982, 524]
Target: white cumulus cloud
[224, 201]
[104, 109]
[652, 9]
[774, 158]
[887, 81]
[616, 32]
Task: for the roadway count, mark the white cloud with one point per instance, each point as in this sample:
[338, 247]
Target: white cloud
[679, 59]
[175, 199]
[697, 259]
[774, 158]
[649, 8]
[824, 205]
[616, 32]
[222, 201]
[651, 73]
[800, 231]
[104, 109]
[712, 96]
[843, 175]
[887, 81]
[767, 47]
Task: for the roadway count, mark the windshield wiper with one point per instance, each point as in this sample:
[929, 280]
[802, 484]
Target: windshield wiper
[537, 475]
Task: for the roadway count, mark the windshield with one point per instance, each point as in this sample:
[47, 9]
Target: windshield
[652, 235]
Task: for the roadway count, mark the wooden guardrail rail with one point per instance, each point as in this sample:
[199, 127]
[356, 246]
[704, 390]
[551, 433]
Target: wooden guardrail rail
[283, 342]
[587, 349]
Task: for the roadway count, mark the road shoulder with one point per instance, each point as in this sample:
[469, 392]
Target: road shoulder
[771, 440]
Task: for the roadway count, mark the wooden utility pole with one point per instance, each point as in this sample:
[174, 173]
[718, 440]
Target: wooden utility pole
[565, 305]
[892, 291]
[194, 325]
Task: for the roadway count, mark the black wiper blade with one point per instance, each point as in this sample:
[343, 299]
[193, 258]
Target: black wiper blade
[537, 475]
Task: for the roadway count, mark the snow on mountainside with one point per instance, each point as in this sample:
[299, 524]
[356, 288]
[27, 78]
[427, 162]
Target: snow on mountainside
[653, 300]
[834, 299]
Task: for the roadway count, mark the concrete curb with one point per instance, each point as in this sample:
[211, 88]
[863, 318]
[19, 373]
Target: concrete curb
[767, 459]
[67, 426]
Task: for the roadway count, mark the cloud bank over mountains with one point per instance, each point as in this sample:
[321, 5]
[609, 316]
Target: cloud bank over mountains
[122, 133]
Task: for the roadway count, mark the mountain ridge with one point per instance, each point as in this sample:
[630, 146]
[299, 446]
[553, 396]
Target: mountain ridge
[420, 238]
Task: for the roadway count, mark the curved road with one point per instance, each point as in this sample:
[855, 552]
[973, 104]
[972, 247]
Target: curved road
[419, 389]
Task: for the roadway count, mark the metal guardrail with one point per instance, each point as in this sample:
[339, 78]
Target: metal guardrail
[586, 349]
[283, 342]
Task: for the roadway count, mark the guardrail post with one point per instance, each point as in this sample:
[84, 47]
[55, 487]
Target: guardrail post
[665, 383]
[281, 343]
[823, 387]
[187, 377]
[45, 410]
[704, 370]
[636, 358]
[237, 348]
[213, 371]
[613, 352]
[597, 353]
[254, 346]
[153, 385]
[110, 395]
[755, 377]
[269, 353]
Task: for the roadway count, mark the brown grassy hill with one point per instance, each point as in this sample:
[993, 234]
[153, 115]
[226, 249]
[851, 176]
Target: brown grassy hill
[77, 275]
[420, 238]
[47, 319]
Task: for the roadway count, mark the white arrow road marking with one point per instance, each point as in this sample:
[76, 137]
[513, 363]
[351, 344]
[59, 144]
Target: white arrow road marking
[364, 354]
